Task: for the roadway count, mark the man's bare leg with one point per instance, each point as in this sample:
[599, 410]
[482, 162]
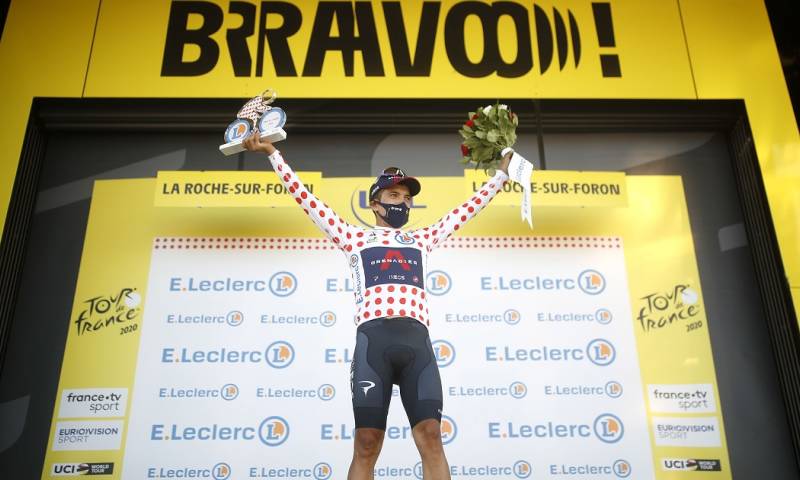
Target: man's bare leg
[366, 447]
[428, 437]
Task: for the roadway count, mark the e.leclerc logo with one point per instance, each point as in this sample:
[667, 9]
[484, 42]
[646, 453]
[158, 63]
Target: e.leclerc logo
[444, 351]
[449, 429]
[272, 431]
[438, 282]
[280, 354]
[591, 282]
[282, 284]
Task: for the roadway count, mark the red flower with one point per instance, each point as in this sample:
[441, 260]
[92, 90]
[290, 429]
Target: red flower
[464, 150]
[470, 123]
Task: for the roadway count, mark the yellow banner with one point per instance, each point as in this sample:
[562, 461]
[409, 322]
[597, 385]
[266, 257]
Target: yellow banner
[448, 49]
[226, 189]
[560, 188]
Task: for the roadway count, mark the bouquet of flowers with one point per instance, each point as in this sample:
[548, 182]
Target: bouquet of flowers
[487, 132]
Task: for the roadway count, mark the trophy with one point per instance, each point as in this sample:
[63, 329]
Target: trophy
[255, 114]
[488, 136]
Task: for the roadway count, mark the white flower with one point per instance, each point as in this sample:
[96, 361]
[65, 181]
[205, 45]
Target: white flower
[486, 110]
[503, 106]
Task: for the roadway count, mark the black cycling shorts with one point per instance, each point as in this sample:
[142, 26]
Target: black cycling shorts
[394, 351]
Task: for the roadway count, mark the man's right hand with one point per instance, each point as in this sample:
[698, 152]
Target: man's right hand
[254, 143]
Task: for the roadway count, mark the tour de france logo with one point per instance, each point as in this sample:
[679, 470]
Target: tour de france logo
[518, 390]
[601, 352]
[221, 471]
[282, 284]
[229, 391]
[444, 351]
[280, 354]
[438, 282]
[273, 431]
[449, 429]
[608, 428]
[591, 282]
[323, 471]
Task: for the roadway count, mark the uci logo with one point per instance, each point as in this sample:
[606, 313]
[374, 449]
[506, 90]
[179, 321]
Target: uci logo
[621, 468]
[221, 471]
[591, 282]
[280, 354]
[234, 318]
[511, 316]
[449, 429]
[327, 319]
[613, 389]
[229, 391]
[518, 390]
[601, 352]
[608, 428]
[603, 316]
[273, 431]
[522, 469]
[322, 471]
[326, 392]
[444, 352]
[438, 282]
[282, 284]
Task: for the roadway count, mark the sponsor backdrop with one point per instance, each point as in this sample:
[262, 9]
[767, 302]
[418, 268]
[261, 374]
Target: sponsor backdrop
[659, 49]
[216, 343]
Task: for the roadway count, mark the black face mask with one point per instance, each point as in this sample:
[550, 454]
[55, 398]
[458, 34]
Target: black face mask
[396, 215]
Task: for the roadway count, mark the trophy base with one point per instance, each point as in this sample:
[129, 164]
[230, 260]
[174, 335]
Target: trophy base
[236, 146]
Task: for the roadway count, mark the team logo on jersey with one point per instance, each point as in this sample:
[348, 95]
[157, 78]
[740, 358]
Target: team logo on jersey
[392, 265]
[404, 238]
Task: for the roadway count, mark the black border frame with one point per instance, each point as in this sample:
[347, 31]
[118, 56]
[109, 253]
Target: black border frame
[413, 115]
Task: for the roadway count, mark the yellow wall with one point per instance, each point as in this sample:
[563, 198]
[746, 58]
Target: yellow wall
[687, 49]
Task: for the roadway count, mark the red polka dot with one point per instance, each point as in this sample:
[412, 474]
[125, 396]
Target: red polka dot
[390, 299]
[366, 294]
[286, 177]
[464, 205]
[390, 288]
[349, 236]
[471, 209]
[463, 218]
[403, 312]
[402, 300]
[297, 200]
[296, 185]
[280, 167]
[456, 227]
[434, 232]
[313, 204]
[478, 201]
[484, 193]
[291, 189]
[330, 221]
[377, 289]
[349, 247]
[378, 301]
[360, 234]
[390, 312]
[403, 289]
[336, 239]
[377, 313]
[304, 194]
[422, 294]
[386, 242]
[366, 305]
[322, 213]
[366, 314]
[413, 303]
[360, 244]
[455, 210]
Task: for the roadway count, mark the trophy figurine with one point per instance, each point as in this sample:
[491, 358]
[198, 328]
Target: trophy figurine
[255, 114]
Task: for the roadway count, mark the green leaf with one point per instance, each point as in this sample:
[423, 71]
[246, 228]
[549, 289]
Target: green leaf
[492, 135]
[480, 134]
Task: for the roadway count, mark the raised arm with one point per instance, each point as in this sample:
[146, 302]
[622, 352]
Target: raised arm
[332, 225]
[437, 233]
